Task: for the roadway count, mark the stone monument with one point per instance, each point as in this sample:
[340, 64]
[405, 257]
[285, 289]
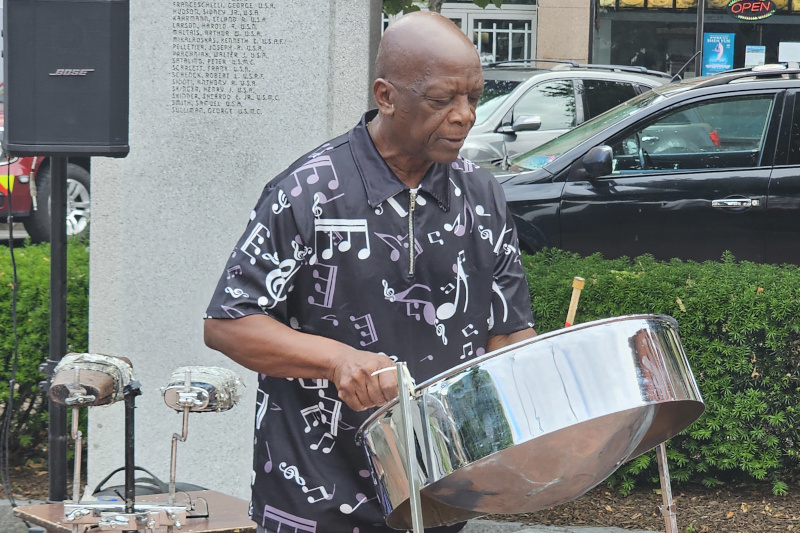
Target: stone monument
[224, 94]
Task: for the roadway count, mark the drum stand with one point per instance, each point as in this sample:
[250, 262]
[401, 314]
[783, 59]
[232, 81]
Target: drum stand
[405, 390]
[116, 378]
[668, 508]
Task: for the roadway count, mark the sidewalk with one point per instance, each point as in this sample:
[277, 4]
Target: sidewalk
[11, 524]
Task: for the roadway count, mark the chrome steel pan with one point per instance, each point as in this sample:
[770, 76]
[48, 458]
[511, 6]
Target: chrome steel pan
[535, 424]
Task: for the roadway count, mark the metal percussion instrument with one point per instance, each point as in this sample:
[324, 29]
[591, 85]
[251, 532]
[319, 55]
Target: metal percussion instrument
[197, 389]
[532, 425]
[88, 380]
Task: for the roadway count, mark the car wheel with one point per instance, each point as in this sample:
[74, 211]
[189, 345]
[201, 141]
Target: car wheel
[78, 204]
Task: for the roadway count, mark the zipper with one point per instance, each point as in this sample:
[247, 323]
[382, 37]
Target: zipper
[411, 203]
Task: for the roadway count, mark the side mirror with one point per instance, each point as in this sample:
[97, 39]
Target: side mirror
[527, 123]
[598, 162]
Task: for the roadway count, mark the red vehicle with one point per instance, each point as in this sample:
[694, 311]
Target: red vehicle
[25, 191]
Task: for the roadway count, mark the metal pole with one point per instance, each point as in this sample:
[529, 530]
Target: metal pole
[698, 45]
[57, 432]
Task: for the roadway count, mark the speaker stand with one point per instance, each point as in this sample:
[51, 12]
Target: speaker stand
[57, 430]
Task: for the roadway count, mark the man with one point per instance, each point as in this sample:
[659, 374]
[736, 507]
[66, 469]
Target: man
[380, 245]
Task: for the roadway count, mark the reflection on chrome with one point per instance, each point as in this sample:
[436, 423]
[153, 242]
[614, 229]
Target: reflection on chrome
[535, 424]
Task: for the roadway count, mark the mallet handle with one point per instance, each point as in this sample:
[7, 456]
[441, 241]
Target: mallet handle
[577, 286]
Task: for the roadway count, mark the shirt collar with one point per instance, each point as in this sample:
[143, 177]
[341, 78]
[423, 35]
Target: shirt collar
[379, 180]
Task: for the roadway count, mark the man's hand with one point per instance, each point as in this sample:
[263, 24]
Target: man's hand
[357, 386]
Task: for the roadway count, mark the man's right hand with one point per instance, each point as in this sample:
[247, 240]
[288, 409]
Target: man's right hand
[358, 385]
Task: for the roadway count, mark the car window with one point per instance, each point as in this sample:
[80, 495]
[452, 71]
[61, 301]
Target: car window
[553, 149]
[794, 138]
[494, 93]
[552, 101]
[602, 95]
[720, 133]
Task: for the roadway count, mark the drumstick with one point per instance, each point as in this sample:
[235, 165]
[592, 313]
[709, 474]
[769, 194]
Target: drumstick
[577, 286]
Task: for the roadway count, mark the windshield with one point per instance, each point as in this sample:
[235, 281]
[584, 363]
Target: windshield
[552, 150]
[494, 93]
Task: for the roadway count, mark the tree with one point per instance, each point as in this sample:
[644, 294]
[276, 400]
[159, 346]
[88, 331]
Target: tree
[393, 7]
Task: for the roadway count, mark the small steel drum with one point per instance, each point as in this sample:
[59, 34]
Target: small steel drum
[535, 424]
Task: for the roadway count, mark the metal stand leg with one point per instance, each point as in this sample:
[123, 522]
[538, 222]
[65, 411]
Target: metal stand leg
[405, 390]
[668, 509]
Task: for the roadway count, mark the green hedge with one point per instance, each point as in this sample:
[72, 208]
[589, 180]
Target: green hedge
[28, 434]
[740, 327]
[739, 324]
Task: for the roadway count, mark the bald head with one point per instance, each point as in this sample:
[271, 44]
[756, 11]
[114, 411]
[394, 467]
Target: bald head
[414, 42]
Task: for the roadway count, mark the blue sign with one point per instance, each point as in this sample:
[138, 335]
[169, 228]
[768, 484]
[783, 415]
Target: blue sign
[717, 52]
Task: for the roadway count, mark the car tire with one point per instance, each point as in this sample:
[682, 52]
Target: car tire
[78, 204]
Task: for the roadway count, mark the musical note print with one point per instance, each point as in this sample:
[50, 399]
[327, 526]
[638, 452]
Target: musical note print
[467, 166]
[311, 384]
[369, 329]
[313, 413]
[325, 449]
[343, 225]
[311, 171]
[283, 203]
[394, 204]
[434, 237]
[255, 240]
[413, 304]
[466, 350]
[401, 242]
[262, 405]
[325, 494]
[456, 188]
[496, 289]
[237, 292]
[300, 250]
[448, 309]
[282, 518]
[346, 508]
[426, 358]
[277, 282]
[503, 233]
[234, 271]
[333, 319]
[291, 472]
[321, 150]
[469, 331]
[326, 274]
[231, 312]
[486, 234]
[268, 464]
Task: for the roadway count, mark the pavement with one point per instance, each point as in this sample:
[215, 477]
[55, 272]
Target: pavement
[11, 524]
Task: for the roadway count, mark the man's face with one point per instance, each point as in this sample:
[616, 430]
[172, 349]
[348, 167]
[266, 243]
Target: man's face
[434, 114]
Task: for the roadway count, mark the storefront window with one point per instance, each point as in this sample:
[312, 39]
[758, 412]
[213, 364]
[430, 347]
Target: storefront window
[662, 34]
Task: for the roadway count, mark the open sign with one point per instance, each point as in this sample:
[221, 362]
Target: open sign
[749, 10]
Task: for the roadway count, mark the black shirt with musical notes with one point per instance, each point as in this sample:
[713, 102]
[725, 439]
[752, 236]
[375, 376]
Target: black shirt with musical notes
[336, 247]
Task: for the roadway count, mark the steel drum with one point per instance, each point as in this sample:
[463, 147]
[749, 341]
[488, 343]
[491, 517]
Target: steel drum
[535, 424]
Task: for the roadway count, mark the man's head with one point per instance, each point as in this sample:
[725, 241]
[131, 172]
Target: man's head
[429, 81]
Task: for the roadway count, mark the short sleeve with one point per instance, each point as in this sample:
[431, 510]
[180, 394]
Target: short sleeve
[267, 257]
[511, 300]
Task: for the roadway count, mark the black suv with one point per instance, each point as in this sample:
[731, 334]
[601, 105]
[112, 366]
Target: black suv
[688, 170]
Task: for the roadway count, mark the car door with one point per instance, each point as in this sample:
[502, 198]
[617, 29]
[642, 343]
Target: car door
[783, 204]
[690, 183]
[553, 101]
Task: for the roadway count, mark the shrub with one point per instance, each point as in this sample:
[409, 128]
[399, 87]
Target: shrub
[740, 327]
[28, 425]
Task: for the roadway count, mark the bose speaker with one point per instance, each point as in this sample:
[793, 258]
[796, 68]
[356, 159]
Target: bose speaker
[66, 77]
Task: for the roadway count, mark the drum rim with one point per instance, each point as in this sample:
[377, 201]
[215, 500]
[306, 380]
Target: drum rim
[365, 427]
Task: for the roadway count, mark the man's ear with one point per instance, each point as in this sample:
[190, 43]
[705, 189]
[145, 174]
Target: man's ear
[384, 94]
